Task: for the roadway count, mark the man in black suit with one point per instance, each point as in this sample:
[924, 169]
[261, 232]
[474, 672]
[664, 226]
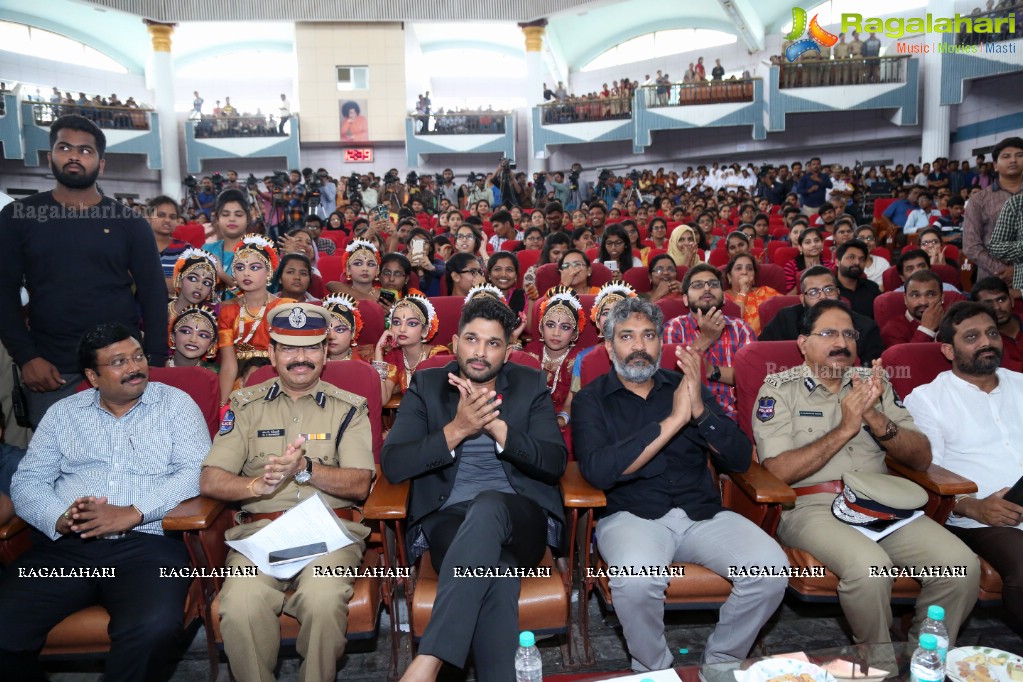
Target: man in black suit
[818, 284]
[481, 444]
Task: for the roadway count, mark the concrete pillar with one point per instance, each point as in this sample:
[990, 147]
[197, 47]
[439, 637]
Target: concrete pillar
[936, 118]
[160, 79]
[533, 32]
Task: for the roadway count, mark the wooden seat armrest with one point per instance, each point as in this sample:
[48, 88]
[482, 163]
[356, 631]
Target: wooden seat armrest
[576, 492]
[936, 479]
[763, 487]
[387, 501]
[195, 513]
[12, 527]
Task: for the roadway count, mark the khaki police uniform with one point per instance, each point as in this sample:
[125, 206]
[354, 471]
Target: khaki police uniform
[857, 66]
[261, 422]
[841, 51]
[794, 410]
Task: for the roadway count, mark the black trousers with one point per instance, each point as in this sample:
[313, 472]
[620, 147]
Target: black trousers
[145, 609]
[493, 530]
[1002, 547]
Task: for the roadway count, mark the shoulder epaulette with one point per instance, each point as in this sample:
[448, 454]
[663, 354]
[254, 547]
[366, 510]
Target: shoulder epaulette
[778, 378]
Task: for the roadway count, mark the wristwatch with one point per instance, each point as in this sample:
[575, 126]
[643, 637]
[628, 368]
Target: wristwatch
[303, 476]
[890, 432]
[715, 374]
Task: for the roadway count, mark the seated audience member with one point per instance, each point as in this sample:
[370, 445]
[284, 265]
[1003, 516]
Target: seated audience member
[412, 323]
[103, 468]
[875, 265]
[923, 311]
[429, 267]
[343, 329]
[609, 294]
[195, 282]
[913, 260]
[994, 293]
[683, 247]
[741, 272]
[811, 253]
[562, 319]
[818, 284]
[922, 216]
[931, 243]
[232, 221]
[504, 230]
[163, 217]
[532, 236]
[852, 286]
[663, 279]
[898, 211]
[480, 444]
[825, 420]
[643, 436]
[270, 455]
[324, 246]
[361, 264]
[468, 239]
[575, 272]
[554, 247]
[503, 273]
[292, 278]
[737, 242]
[193, 339]
[716, 337]
[955, 412]
[657, 229]
[615, 247]
[463, 272]
[583, 239]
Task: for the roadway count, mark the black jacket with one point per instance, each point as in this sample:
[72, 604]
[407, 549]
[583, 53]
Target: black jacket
[785, 327]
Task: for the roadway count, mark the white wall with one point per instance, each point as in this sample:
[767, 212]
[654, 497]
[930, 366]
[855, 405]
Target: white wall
[72, 78]
[985, 100]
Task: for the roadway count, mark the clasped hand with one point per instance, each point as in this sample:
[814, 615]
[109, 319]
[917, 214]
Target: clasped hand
[92, 516]
[478, 410]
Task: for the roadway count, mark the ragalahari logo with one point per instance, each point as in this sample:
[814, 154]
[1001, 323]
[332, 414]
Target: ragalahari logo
[818, 36]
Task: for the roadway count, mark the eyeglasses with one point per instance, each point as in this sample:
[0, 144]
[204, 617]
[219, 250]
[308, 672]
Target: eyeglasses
[295, 350]
[139, 358]
[847, 334]
[475, 272]
[711, 284]
[615, 243]
[463, 237]
[866, 238]
[665, 270]
[817, 291]
[393, 273]
[573, 265]
[930, 242]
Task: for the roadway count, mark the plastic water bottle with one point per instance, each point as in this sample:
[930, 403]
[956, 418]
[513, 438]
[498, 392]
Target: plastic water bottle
[528, 665]
[935, 625]
[926, 665]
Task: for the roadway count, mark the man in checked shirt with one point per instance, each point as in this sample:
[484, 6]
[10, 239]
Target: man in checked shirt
[710, 332]
[103, 468]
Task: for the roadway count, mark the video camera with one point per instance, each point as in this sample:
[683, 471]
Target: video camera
[190, 182]
[634, 176]
[573, 179]
[390, 178]
[540, 183]
[412, 179]
[218, 182]
[251, 181]
[472, 178]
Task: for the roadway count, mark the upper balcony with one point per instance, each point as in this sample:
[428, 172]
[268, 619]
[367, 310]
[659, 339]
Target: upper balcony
[10, 126]
[582, 119]
[734, 102]
[842, 85]
[128, 129]
[978, 53]
[470, 132]
[234, 137]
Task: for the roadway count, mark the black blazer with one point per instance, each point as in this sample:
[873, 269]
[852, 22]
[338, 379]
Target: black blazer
[534, 456]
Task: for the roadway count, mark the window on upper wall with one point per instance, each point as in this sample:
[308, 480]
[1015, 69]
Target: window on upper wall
[352, 78]
[659, 44]
[32, 41]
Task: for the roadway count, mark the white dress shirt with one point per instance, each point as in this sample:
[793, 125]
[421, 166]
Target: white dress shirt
[974, 434]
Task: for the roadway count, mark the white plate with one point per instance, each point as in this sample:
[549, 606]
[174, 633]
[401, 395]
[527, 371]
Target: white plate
[961, 664]
[847, 670]
[770, 668]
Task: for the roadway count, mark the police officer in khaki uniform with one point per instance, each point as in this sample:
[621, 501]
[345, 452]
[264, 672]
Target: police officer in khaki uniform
[817, 421]
[856, 55]
[841, 54]
[280, 443]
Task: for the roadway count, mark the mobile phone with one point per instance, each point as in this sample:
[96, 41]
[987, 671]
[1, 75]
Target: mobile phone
[1015, 493]
[388, 295]
[611, 265]
[417, 247]
[380, 212]
[289, 554]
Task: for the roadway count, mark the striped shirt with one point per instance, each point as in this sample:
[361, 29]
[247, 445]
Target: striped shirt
[149, 457]
[736, 334]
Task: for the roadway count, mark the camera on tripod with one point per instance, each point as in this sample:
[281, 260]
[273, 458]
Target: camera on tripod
[472, 178]
[540, 183]
[190, 182]
[218, 182]
[412, 179]
[390, 177]
[251, 181]
[634, 176]
[573, 179]
[281, 178]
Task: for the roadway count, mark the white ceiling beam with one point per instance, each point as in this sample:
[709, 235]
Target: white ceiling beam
[748, 25]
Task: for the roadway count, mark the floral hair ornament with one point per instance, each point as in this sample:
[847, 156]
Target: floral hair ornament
[195, 260]
[259, 246]
[343, 308]
[609, 294]
[357, 246]
[564, 299]
[195, 316]
[422, 308]
[484, 290]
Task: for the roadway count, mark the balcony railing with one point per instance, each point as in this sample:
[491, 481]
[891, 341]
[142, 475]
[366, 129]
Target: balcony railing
[582, 109]
[1004, 27]
[854, 71]
[707, 92]
[237, 126]
[468, 123]
[126, 118]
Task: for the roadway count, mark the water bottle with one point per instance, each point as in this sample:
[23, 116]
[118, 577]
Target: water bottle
[935, 625]
[926, 665]
[528, 665]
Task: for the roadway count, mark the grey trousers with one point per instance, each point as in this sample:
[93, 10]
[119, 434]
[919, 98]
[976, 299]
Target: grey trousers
[727, 540]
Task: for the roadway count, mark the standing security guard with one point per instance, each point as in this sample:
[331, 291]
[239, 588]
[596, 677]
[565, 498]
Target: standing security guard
[280, 443]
